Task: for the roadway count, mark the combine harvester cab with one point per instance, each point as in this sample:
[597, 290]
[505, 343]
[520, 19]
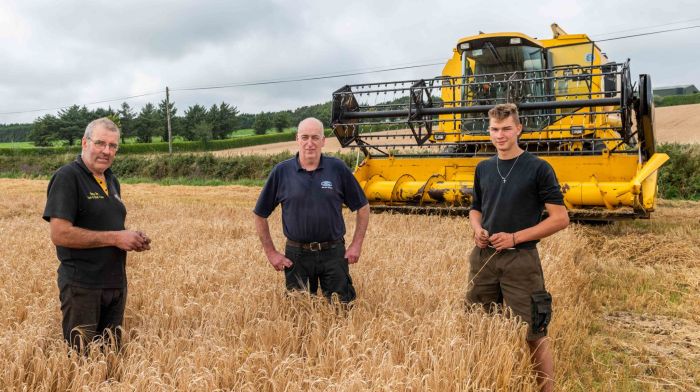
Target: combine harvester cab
[422, 139]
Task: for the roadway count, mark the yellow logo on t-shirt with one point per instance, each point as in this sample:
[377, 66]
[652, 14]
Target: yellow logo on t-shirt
[94, 196]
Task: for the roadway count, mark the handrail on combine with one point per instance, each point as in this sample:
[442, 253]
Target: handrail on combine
[588, 105]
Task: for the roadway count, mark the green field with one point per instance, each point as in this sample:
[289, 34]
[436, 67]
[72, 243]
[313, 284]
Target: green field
[675, 100]
[17, 145]
[238, 138]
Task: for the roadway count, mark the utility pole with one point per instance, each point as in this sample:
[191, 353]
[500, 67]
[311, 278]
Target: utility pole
[167, 111]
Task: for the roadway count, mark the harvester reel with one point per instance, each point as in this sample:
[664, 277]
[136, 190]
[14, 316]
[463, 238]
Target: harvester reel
[628, 101]
[421, 99]
[345, 130]
[645, 115]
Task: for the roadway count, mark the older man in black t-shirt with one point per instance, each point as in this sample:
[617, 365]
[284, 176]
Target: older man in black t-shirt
[511, 190]
[86, 216]
[312, 188]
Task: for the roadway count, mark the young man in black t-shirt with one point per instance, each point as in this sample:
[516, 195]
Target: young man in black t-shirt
[86, 216]
[511, 190]
[312, 189]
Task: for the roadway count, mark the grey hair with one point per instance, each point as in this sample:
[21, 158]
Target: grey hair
[104, 122]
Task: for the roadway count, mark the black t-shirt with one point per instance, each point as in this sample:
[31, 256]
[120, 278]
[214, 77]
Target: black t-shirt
[518, 203]
[74, 195]
[311, 200]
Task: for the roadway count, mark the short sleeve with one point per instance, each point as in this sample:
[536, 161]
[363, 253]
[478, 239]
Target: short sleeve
[268, 200]
[118, 187]
[476, 200]
[354, 196]
[62, 197]
[548, 189]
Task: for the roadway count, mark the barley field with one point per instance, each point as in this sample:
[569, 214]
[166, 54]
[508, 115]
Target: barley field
[207, 313]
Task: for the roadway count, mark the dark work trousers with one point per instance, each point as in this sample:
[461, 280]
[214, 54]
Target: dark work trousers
[327, 266]
[89, 313]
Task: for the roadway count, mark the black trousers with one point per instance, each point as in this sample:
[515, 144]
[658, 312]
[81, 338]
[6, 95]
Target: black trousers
[327, 267]
[90, 314]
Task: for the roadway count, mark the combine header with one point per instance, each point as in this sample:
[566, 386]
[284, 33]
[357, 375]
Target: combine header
[422, 139]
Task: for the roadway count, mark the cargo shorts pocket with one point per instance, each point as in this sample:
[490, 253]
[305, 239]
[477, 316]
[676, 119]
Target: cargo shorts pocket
[541, 307]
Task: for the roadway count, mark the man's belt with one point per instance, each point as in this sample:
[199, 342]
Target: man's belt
[315, 246]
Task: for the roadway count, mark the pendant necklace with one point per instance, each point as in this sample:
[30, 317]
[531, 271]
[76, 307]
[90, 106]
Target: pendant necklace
[509, 171]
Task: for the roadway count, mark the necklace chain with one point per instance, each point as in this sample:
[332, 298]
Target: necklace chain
[509, 171]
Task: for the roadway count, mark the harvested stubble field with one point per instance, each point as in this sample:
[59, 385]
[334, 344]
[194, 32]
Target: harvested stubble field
[206, 312]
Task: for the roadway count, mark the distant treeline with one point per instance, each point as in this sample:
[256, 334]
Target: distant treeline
[161, 147]
[673, 100]
[196, 123]
[14, 132]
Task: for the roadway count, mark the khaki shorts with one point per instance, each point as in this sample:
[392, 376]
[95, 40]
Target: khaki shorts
[510, 278]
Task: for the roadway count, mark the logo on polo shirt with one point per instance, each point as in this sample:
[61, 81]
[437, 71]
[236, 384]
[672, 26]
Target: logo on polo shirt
[94, 196]
[326, 184]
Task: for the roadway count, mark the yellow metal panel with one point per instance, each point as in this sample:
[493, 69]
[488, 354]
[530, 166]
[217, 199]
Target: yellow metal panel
[503, 34]
[649, 191]
[567, 39]
[586, 181]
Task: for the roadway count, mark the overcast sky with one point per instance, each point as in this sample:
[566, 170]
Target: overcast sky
[58, 53]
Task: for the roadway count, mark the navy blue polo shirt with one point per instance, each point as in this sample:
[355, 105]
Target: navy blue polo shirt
[74, 195]
[311, 200]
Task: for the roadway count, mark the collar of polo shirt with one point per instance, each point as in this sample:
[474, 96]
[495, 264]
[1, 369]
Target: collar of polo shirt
[297, 165]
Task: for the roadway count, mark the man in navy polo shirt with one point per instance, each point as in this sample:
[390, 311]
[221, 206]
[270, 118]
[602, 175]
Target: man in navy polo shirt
[312, 189]
[86, 215]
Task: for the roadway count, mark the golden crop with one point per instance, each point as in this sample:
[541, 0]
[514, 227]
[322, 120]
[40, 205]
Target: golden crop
[206, 312]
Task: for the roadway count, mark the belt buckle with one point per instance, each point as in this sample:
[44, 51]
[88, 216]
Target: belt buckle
[315, 246]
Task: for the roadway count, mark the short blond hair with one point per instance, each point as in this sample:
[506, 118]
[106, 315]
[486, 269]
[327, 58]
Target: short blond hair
[502, 111]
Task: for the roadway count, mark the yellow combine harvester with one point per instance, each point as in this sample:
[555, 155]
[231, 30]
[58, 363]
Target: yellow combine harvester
[422, 139]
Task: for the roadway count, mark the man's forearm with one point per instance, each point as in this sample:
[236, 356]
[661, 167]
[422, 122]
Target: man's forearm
[361, 223]
[556, 220]
[263, 229]
[79, 238]
[475, 220]
[63, 233]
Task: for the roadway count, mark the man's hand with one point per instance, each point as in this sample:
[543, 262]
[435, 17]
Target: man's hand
[481, 238]
[502, 241]
[278, 261]
[146, 239]
[352, 254]
[129, 240]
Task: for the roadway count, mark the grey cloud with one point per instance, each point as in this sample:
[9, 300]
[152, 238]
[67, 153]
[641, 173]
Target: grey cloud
[78, 52]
